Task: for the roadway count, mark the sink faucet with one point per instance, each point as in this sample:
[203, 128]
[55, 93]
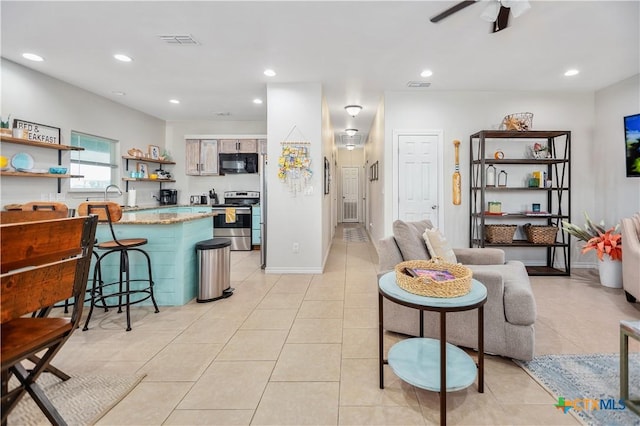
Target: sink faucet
[107, 189]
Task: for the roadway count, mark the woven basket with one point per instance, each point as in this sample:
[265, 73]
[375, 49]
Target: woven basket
[425, 286]
[540, 234]
[520, 121]
[499, 234]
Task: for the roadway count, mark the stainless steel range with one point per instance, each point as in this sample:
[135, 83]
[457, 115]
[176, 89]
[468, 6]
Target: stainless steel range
[234, 218]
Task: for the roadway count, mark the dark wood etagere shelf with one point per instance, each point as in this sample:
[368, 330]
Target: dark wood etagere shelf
[557, 197]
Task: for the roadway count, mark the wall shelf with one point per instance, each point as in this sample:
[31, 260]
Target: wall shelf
[34, 144]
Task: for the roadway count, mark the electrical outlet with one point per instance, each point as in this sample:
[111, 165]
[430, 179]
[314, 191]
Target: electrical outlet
[296, 248]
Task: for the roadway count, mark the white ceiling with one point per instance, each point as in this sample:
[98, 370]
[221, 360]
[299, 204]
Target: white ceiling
[357, 50]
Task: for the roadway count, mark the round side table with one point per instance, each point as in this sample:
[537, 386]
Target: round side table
[432, 364]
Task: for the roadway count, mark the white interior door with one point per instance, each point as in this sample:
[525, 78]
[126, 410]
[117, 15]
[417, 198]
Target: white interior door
[419, 172]
[350, 194]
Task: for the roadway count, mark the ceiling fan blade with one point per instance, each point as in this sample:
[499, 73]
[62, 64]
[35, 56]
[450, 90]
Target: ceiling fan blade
[503, 19]
[452, 10]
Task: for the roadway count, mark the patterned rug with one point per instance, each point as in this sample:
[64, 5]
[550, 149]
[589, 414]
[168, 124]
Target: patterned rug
[592, 382]
[79, 400]
[355, 235]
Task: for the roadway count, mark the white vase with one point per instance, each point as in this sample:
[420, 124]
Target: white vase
[610, 272]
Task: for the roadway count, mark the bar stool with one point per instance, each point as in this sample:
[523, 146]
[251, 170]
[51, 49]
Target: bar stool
[110, 212]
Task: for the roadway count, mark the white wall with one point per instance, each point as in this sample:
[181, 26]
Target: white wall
[195, 185]
[375, 151]
[459, 114]
[616, 196]
[295, 114]
[33, 96]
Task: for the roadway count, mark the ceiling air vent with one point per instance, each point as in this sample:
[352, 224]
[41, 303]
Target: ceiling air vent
[185, 39]
[418, 84]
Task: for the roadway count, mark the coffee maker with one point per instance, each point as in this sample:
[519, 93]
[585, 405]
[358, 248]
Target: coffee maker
[168, 197]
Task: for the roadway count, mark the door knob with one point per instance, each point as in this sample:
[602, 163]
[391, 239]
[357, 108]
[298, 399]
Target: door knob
[434, 207]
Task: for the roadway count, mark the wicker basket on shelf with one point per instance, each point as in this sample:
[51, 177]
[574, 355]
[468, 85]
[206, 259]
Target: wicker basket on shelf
[521, 121]
[499, 234]
[426, 286]
[540, 234]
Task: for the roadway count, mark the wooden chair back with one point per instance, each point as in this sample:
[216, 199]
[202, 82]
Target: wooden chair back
[17, 216]
[107, 211]
[45, 205]
[43, 263]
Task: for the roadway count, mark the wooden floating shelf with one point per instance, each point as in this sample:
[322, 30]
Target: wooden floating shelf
[147, 160]
[147, 180]
[39, 175]
[27, 142]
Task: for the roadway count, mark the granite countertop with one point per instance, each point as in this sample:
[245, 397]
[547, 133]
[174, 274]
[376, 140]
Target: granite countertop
[143, 216]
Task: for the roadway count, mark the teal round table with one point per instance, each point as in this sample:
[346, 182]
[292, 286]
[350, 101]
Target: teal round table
[431, 364]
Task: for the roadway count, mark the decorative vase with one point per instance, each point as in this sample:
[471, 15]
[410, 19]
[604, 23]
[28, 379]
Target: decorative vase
[610, 272]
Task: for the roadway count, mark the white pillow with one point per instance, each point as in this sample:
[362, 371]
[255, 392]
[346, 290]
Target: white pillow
[438, 246]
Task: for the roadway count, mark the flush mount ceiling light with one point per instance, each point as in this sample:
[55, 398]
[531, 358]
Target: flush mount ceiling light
[33, 57]
[353, 110]
[571, 73]
[174, 101]
[122, 58]
[350, 146]
[257, 101]
[269, 72]
[351, 132]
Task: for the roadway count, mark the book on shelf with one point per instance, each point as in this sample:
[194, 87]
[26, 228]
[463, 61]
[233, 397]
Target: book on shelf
[434, 274]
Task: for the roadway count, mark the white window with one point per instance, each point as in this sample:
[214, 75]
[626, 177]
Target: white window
[97, 163]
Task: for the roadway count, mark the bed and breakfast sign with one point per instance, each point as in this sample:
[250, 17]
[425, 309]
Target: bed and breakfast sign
[38, 132]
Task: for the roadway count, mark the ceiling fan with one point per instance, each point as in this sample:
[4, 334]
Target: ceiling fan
[497, 11]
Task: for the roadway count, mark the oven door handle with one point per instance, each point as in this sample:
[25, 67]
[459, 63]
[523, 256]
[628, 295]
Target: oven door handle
[239, 210]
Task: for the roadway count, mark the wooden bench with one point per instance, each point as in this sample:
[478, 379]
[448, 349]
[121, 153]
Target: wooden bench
[43, 263]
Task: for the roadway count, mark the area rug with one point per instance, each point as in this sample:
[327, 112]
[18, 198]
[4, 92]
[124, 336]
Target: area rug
[80, 400]
[355, 235]
[591, 381]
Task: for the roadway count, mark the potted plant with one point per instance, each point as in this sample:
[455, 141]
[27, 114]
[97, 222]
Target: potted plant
[608, 246]
[4, 126]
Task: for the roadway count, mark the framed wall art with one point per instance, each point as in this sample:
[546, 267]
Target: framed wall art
[143, 170]
[154, 152]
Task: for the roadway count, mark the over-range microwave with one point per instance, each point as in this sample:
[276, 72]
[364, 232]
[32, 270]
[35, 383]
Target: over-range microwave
[238, 163]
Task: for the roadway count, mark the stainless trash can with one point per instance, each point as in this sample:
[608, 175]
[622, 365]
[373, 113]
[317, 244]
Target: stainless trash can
[214, 275]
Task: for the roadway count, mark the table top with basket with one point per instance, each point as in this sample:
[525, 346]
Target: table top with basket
[388, 287]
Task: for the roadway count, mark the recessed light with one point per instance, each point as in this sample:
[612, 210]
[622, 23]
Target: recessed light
[269, 73]
[123, 58]
[117, 93]
[174, 101]
[571, 73]
[33, 57]
[257, 101]
[426, 73]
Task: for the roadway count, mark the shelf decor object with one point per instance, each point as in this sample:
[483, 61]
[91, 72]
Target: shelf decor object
[459, 283]
[546, 183]
[38, 132]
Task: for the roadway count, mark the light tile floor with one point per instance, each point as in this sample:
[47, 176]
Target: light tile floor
[302, 349]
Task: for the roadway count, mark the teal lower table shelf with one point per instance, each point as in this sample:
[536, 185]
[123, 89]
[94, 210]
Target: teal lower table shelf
[417, 362]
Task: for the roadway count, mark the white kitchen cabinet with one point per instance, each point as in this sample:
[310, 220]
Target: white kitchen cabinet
[233, 146]
[201, 157]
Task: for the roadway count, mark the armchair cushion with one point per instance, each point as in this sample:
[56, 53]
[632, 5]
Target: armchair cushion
[408, 237]
[480, 256]
[437, 245]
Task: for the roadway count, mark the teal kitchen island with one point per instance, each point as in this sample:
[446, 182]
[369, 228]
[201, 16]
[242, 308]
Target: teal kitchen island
[172, 234]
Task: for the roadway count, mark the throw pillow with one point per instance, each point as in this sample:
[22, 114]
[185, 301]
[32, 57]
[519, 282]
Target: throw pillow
[438, 246]
[407, 236]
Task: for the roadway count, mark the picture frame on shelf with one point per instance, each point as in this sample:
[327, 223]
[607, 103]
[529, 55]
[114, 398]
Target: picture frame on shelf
[154, 152]
[143, 170]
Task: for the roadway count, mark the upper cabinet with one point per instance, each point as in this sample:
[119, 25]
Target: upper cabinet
[232, 146]
[201, 157]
